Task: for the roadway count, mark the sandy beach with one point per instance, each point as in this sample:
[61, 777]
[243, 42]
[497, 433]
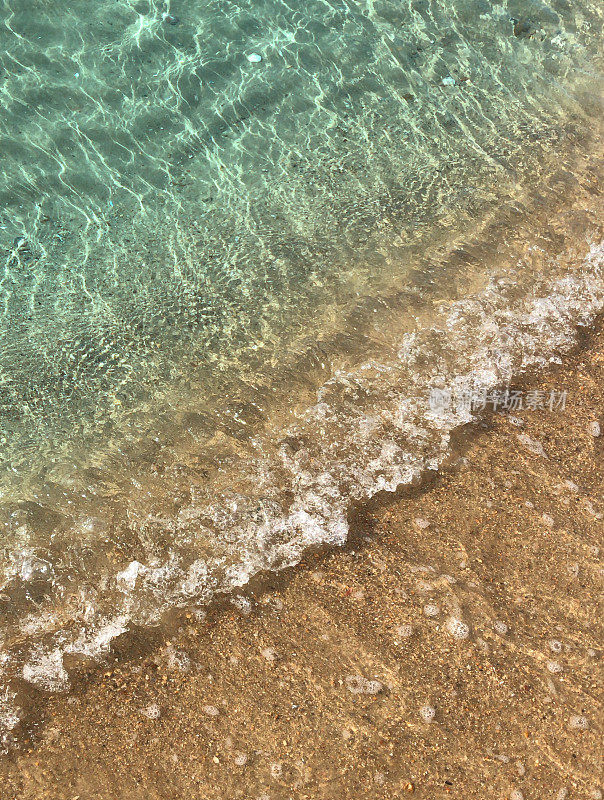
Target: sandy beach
[452, 649]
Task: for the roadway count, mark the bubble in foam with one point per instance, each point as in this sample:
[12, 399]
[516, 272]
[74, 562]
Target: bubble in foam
[427, 713]
[555, 646]
[578, 722]
[357, 684]
[126, 580]
[276, 769]
[9, 712]
[457, 628]
[554, 667]
[152, 711]
[46, 671]
[243, 604]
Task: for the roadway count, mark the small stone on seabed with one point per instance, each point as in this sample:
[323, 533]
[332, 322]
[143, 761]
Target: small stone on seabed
[427, 713]
[532, 444]
[255, 58]
[357, 684]
[269, 654]
[151, 711]
[516, 794]
[404, 631]
[448, 81]
[457, 628]
[594, 428]
[579, 722]
[178, 659]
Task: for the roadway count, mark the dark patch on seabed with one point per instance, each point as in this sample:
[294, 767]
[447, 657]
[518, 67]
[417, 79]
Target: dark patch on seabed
[241, 241]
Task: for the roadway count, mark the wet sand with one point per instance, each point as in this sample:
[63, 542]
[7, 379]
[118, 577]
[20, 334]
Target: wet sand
[451, 650]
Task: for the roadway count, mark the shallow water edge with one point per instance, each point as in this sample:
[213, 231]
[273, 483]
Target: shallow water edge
[526, 334]
[450, 647]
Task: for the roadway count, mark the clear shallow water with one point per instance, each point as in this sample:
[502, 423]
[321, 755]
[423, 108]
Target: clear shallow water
[227, 284]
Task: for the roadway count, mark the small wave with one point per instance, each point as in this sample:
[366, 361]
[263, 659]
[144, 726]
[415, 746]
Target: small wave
[371, 429]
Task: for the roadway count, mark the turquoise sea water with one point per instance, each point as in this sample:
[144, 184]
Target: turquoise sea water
[211, 212]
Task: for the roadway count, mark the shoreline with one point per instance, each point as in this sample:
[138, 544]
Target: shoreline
[108, 564]
[473, 599]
